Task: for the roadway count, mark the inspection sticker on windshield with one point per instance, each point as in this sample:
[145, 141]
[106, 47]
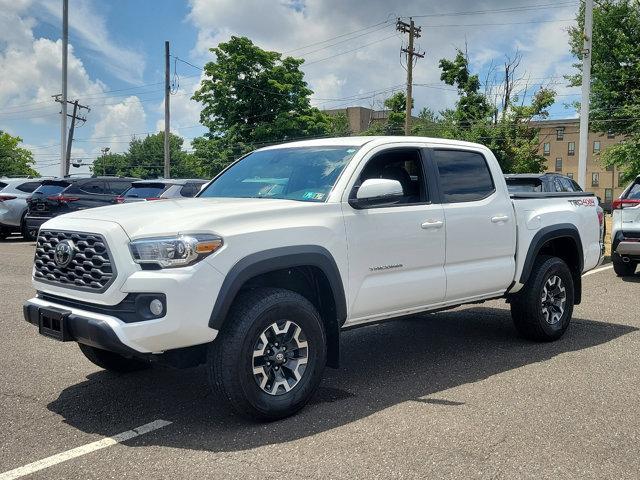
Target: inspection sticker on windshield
[313, 196]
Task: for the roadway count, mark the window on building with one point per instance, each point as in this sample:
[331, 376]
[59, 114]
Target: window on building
[608, 195]
[610, 134]
[570, 175]
[621, 179]
[558, 164]
[547, 149]
[572, 148]
[595, 179]
[560, 133]
[596, 146]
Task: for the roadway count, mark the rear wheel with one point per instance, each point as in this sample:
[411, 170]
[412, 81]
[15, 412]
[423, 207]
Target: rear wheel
[268, 359]
[112, 361]
[25, 231]
[542, 310]
[623, 269]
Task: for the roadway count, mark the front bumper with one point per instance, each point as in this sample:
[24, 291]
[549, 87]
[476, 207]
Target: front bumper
[34, 223]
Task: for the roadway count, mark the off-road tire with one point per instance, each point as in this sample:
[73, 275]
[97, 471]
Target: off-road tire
[624, 269]
[526, 305]
[111, 361]
[230, 356]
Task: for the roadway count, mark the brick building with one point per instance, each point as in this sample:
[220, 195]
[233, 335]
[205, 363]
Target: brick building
[559, 143]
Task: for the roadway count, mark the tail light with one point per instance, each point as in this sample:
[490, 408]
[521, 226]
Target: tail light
[153, 198]
[62, 198]
[7, 197]
[119, 199]
[600, 217]
[621, 203]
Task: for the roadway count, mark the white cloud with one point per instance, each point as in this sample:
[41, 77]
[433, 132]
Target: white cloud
[118, 123]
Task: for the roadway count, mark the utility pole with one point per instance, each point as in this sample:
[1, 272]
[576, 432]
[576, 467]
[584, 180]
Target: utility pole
[167, 112]
[63, 113]
[583, 148]
[74, 117]
[414, 32]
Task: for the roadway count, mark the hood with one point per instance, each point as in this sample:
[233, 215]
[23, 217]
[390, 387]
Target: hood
[173, 216]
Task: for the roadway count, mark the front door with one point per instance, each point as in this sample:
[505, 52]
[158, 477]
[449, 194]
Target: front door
[396, 252]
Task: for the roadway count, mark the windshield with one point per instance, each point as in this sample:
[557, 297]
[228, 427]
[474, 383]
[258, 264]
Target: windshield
[519, 185]
[298, 173]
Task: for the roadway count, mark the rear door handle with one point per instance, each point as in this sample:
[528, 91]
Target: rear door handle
[499, 218]
[432, 224]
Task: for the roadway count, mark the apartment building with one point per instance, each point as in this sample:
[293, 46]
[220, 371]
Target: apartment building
[559, 144]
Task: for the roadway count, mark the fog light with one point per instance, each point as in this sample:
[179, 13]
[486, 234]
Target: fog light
[156, 307]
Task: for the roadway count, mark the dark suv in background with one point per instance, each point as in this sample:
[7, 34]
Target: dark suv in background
[63, 195]
[162, 188]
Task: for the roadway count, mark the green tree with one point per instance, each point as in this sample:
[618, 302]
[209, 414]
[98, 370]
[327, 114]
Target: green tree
[394, 125]
[510, 135]
[473, 106]
[15, 160]
[615, 78]
[427, 125]
[252, 97]
[145, 159]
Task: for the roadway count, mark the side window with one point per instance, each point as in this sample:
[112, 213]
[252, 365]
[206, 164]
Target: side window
[190, 189]
[28, 187]
[95, 187]
[464, 176]
[558, 185]
[117, 187]
[403, 165]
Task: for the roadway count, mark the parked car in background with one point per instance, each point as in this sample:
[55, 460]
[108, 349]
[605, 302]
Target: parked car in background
[63, 195]
[550, 182]
[161, 188]
[13, 204]
[625, 234]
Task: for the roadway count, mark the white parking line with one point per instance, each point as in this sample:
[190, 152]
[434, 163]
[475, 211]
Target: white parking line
[83, 450]
[598, 270]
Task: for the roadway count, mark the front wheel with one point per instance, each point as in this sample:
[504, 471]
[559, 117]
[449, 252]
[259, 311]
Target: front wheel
[268, 359]
[542, 310]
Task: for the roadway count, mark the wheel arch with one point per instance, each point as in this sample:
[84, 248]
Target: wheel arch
[563, 241]
[309, 270]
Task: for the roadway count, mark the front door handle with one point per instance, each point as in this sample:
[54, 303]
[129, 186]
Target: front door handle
[499, 218]
[432, 224]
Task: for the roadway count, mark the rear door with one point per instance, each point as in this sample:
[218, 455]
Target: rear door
[88, 194]
[479, 222]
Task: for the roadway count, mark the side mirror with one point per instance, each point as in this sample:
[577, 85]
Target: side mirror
[376, 192]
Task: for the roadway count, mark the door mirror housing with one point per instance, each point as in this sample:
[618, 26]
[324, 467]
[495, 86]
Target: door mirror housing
[377, 192]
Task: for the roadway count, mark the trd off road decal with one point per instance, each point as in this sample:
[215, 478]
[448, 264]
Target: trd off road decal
[583, 202]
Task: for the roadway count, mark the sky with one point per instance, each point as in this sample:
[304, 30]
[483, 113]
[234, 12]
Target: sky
[351, 51]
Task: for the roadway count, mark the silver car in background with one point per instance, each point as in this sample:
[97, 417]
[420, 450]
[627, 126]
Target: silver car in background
[158, 189]
[13, 203]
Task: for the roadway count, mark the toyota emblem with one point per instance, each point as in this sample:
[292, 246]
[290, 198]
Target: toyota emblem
[64, 253]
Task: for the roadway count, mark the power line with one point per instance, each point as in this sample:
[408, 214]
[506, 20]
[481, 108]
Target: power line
[499, 10]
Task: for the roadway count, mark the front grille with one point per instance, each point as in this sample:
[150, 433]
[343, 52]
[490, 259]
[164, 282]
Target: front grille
[90, 269]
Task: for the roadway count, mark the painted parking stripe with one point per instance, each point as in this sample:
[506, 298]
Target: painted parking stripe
[83, 450]
[598, 270]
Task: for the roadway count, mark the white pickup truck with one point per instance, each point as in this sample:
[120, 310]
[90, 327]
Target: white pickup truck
[292, 243]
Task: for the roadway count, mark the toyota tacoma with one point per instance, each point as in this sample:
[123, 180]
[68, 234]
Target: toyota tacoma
[258, 275]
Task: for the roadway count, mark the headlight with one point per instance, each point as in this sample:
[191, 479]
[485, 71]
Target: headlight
[177, 251]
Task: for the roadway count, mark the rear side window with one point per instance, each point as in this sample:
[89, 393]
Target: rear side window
[96, 187]
[28, 187]
[190, 189]
[2, 185]
[464, 176]
[149, 190]
[118, 187]
[634, 192]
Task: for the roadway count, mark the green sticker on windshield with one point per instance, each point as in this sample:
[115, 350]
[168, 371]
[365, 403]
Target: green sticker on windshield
[313, 196]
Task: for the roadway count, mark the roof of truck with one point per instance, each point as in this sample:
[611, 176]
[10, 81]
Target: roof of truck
[377, 140]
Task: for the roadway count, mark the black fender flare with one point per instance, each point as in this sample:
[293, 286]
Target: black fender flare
[552, 232]
[277, 259]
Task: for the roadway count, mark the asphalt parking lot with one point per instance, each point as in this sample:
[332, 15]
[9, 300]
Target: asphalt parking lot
[448, 395]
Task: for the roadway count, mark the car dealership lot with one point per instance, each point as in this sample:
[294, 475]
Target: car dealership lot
[454, 394]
